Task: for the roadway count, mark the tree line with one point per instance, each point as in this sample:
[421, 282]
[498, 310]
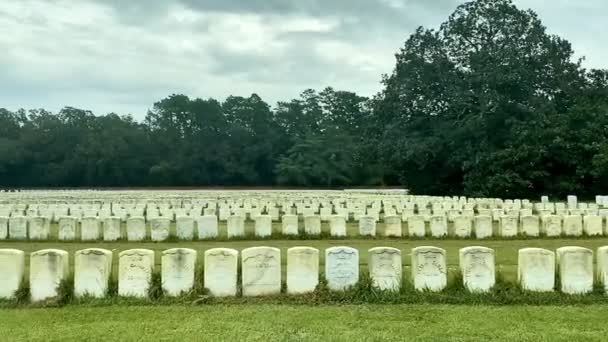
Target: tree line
[488, 104]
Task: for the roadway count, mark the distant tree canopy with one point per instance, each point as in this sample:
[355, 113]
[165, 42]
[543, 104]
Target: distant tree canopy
[488, 104]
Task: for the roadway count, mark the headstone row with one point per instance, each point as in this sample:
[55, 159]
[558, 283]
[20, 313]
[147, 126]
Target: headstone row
[261, 270]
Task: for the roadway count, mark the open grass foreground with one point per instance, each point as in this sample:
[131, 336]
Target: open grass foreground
[307, 323]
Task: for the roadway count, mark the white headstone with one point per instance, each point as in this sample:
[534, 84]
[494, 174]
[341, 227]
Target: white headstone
[92, 270]
[289, 224]
[263, 225]
[178, 266]
[312, 225]
[159, 228]
[302, 269]
[575, 268]
[111, 228]
[135, 267]
[416, 226]
[483, 226]
[573, 225]
[477, 267]
[136, 228]
[184, 227]
[463, 226]
[337, 225]
[392, 225]
[90, 228]
[17, 228]
[261, 271]
[509, 226]
[48, 268]
[12, 265]
[552, 225]
[220, 276]
[536, 269]
[67, 228]
[236, 226]
[429, 269]
[602, 267]
[207, 227]
[367, 226]
[4, 227]
[530, 225]
[341, 267]
[439, 226]
[572, 202]
[40, 228]
[593, 225]
[385, 268]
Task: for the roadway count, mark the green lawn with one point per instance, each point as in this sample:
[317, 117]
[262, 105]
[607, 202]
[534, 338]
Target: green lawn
[307, 323]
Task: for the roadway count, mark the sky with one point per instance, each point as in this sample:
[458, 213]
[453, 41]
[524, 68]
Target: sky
[123, 55]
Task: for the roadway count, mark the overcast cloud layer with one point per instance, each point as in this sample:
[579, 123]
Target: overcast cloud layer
[122, 56]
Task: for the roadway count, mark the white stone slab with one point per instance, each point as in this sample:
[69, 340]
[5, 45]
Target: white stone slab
[220, 276]
[573, 225]
[341, 267]
[4, 227]
[438, 226]
[39, 228]
[135, 267]
[463, 226]
[552, 225]
[111, 228]
[477, 265]
[429, 269]
[602, 267]
[92, 271]
[236, 226]
[178, 266]
[312, 224]
[302, 269]
[367, 226]
[483, 226]
[289, 224]
[67, 228]
[392, 226]
[337, 226]
[575, 268]
[17, 228]
[12, 266]
[184, 227]
[536, 269]
[48, 268]
[90, 228]
[509, 226]
[593, 225]
[261, 268]
[207, 227]
[159, 228]
[136, 228]
[530, 225]
[416, 226]
[263, 225]
[385, 268]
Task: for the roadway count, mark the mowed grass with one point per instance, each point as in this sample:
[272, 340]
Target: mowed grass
[307, 323]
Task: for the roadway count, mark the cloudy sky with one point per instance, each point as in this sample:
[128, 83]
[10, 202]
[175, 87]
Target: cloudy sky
[123, 55]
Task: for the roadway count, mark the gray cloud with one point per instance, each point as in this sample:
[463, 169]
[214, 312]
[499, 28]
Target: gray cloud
[122, 56]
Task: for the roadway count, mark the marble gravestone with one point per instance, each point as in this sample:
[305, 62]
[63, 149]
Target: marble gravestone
[385, 268]
[207, 227]
[261, 267]
[302, 269]
[416, 226]
[337, 225]
[48, 268]
[575, 268]
[92, 270]
[90, 228]
[341, 267]
[367, 226]
[478, 268]
[184, 227]
[236, 226]
[289, 224]
[67, 228]
[17, 228]
[429, 268]
[178, 266]
[136, 228]
[220, 276]
[159, 228]
[135, 267]
[482, 225]
[536, 269]
[111, 228]
[392, 225]
[312, 224]
[12, 267]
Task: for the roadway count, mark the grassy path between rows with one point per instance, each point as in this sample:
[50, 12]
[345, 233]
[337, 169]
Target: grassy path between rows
[307, 323]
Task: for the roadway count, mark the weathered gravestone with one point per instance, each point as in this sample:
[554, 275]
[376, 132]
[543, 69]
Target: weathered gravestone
[220, 276]
[207, 227]
[416, 226]
[136, 228]
[341, 267]
[3, 227]
[602, 267]
[477, 267]
[12, 266]
[439, 226]
[463, 226]
[593, 225]
[90, 228]
[509, 225]
[536, 269]
[67, 228]
[289, 224]
[573, 225]
[552, 225]
[184, 227]
[236, 226]
[392, 225]
[337, 225]
[135, 267]
[261, 271]
[263, 225]
[312, 224]
[367, 226]
[575, 268]
[178, 267]
[40, 228]
[302, 269]
[92, 270]
[385, 268]
[17, 228]
[111, 228]
[530, 225]
[429, 269]
[48, 268]
[483, 226]
[159, 228]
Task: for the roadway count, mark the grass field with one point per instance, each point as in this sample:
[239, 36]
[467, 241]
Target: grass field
[306, 323]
